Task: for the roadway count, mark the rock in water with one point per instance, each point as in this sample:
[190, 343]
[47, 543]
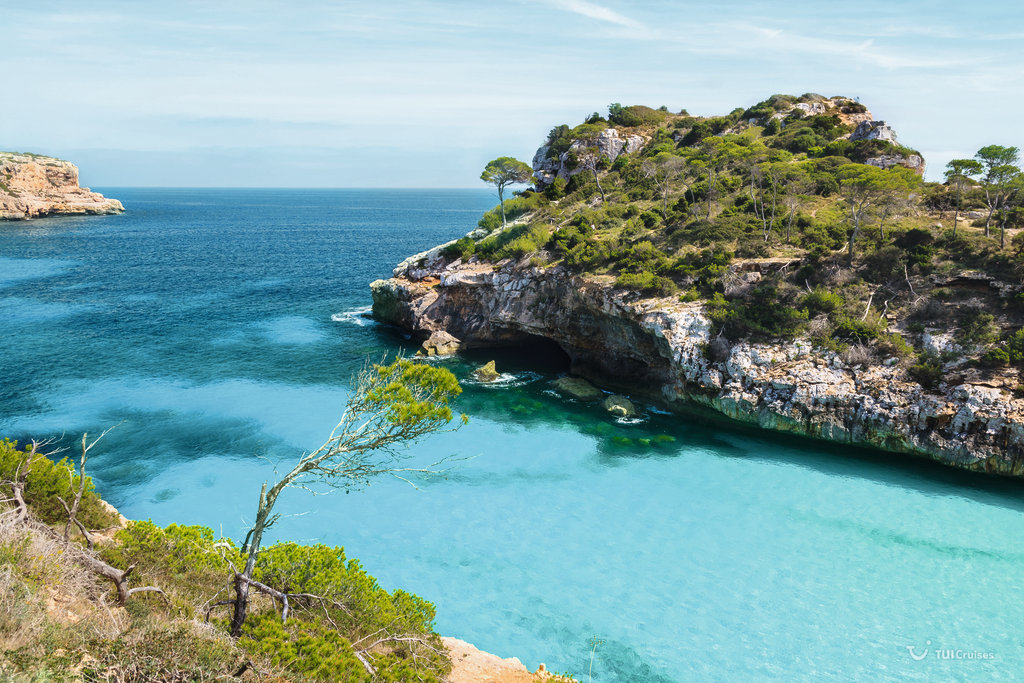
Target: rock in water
[578, 387]
[486, 373]
[619, 405]
[440, 343]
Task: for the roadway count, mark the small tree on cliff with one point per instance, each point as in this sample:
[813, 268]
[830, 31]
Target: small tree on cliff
[999, 171]
[505, 171]
[958, 174]
[390, 406]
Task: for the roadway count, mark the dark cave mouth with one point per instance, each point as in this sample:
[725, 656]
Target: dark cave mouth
[528, 353]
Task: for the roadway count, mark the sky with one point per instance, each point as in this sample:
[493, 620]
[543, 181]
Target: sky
[422, 94]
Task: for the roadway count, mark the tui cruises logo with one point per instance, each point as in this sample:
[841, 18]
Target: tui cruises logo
[949, 654]
[913, 652]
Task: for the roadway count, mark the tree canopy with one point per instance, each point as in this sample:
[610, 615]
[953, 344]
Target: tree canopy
[505, 171]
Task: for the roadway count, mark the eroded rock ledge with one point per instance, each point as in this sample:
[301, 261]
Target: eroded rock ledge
[32, 186]
[658, 348]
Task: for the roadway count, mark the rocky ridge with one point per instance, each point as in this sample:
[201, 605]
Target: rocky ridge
[663, 349]
[32, 186]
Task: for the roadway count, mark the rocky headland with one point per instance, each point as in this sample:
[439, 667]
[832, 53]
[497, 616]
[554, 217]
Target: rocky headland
[724, 263]
[32, 186]
[663, 349]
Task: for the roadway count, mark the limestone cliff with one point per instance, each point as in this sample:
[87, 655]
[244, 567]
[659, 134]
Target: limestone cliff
[662, 348]
[32, 186]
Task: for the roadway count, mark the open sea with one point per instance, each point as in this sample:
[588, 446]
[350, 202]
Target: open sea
[219, 330]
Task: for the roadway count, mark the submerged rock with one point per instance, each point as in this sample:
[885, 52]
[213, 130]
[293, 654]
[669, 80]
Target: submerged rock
[486, 372]
[578, 387]
[619, 405]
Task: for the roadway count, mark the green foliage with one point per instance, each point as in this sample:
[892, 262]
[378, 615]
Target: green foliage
[1009, 352]
[976, 326]
[514, 208]
[643, 257]
[47, 482]
[505, 171]
[411, 393]
[556, 190]
[927, 371]
[462, 248]
[635, 115]
[514, 242]
[894, 344]
[705, 268]
[308, 649]
[559, 140]
[854, 329]
[918, 244]
[176, 549]
[822, 301]
[762, 315]
[647, 283]
[360, 611]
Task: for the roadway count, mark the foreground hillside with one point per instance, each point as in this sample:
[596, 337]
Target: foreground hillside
[86, 595]
[32, 186]
[784, 265]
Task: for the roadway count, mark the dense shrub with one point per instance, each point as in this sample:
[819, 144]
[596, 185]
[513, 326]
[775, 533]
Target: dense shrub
[635, 115]
[1009, 352]
[762, 315]
[515, 242]
[514, 208]
[647, 283]
[822, 301]
[854, 329]
[927, 371]
[47, 482]
[462, 248]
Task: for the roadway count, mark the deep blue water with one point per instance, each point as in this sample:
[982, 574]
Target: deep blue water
[219, 329]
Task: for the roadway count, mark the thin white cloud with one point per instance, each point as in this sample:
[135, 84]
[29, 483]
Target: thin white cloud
[866, 51]
[598, 12]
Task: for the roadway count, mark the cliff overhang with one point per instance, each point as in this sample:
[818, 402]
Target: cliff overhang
[659, 349]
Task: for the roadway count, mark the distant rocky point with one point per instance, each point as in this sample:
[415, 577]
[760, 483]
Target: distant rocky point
[32, 186]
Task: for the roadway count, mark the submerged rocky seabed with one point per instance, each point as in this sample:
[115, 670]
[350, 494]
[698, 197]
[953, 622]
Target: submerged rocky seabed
[663, 349]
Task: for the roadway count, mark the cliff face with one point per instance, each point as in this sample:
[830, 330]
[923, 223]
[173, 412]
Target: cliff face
[659, 348]
[33, 186]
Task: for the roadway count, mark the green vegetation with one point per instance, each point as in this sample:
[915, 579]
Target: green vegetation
[785, 228]
[501, 173]
[312, 615]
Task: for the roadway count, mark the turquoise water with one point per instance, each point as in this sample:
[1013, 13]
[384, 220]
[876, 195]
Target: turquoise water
[221, 327]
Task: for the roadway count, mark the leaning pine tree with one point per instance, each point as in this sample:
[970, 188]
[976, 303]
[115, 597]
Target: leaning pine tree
[390, 406]
[505, 171]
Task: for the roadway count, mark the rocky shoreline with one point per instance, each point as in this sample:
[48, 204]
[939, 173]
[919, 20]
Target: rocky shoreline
[663, 350]
[32, 186]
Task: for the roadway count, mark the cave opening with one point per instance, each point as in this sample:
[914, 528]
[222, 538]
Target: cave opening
[530, 352]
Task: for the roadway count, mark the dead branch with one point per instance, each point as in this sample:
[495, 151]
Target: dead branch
[868, 307]
[906, 275]
[81, 527]
[73, 511]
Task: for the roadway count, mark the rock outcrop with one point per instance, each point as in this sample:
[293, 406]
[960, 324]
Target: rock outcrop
[874, 130]
[470, 665]
[912, 161]
[659, 348]
[32, 186]
[608, 143]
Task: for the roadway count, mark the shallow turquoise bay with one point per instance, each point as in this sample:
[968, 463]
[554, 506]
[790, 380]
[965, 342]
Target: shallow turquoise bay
[222, 327]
